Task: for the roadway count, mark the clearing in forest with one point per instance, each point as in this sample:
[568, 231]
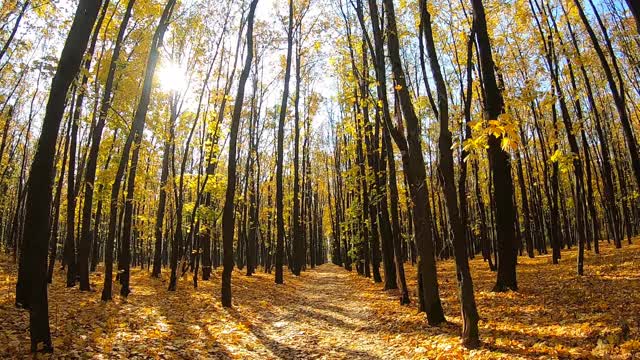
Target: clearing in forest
[329, 313]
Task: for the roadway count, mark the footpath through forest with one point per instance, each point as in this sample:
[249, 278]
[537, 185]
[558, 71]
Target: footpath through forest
[329, 313]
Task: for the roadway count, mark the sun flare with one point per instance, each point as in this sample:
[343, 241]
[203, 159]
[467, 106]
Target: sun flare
[172, 77]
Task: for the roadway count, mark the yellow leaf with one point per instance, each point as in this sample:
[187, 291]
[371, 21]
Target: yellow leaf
[475, 124]
[505, 143]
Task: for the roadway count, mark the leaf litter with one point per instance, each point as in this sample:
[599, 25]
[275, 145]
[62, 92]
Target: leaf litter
[329, 313]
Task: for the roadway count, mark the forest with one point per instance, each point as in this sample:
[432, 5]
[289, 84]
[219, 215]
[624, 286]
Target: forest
[320, 179]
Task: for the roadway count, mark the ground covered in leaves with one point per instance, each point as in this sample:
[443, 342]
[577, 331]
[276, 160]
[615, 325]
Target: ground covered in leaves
[329, 313]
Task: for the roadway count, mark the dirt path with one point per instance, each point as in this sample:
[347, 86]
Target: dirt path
[329, 318]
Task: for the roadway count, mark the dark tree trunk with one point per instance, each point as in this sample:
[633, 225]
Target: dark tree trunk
[70, 242]
[465, 134]
[553, 67]
[498, 158]
[5, 47]
[162, 200]
[470, 336]
[395, 221]
[634, 6]
[31, 288]
[136, 136]
[525, 208]
[53, 236]
[206, 248]
[416, 175]
[369, 207]
[228, 218]
[280, 233]
[96, 225]
[382, 208]
[298, 253]
[84, 242]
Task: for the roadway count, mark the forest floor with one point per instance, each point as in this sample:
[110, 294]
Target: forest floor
[329, 313]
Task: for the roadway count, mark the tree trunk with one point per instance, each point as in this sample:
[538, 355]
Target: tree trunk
[416, 176]
[634, 6]
[56, 205]
[5, 47]
[617, 94]
[280, 233]
[297, 221]
[498, 159]
[470, 337]
[228, 218]
[31, 288]
[162, 200]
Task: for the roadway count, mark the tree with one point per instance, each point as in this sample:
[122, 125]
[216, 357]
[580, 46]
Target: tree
[31, 288]
[498, 158]
[279, 279]
[635, 10]
[416, 175]
[467, 300]
[228, 219]
[617, 91]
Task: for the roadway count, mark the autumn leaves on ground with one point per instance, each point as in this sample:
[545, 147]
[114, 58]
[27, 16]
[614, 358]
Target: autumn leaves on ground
[329, 313]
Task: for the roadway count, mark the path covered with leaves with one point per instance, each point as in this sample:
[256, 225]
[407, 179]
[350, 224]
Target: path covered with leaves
[329, 313]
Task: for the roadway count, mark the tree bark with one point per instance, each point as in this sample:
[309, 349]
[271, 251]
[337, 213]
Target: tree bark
[228, 218]
[470, 336]
[92, 163]
[280, 233]
[416, 175]
[498, 159]
[31, 288]
[84, 238]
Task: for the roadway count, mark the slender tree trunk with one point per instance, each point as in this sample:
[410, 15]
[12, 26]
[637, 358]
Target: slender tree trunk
[31, 288]
[70, 242]
[498, 159]
[525, 207]
[416, 175]
[280, 233]
[634, 6]
[5, 47]
[297, 221]
[56, 205]
[617, 93]
[228, 218]
[395, 221]
[470, 337]
[162, 201]
[84, 243]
